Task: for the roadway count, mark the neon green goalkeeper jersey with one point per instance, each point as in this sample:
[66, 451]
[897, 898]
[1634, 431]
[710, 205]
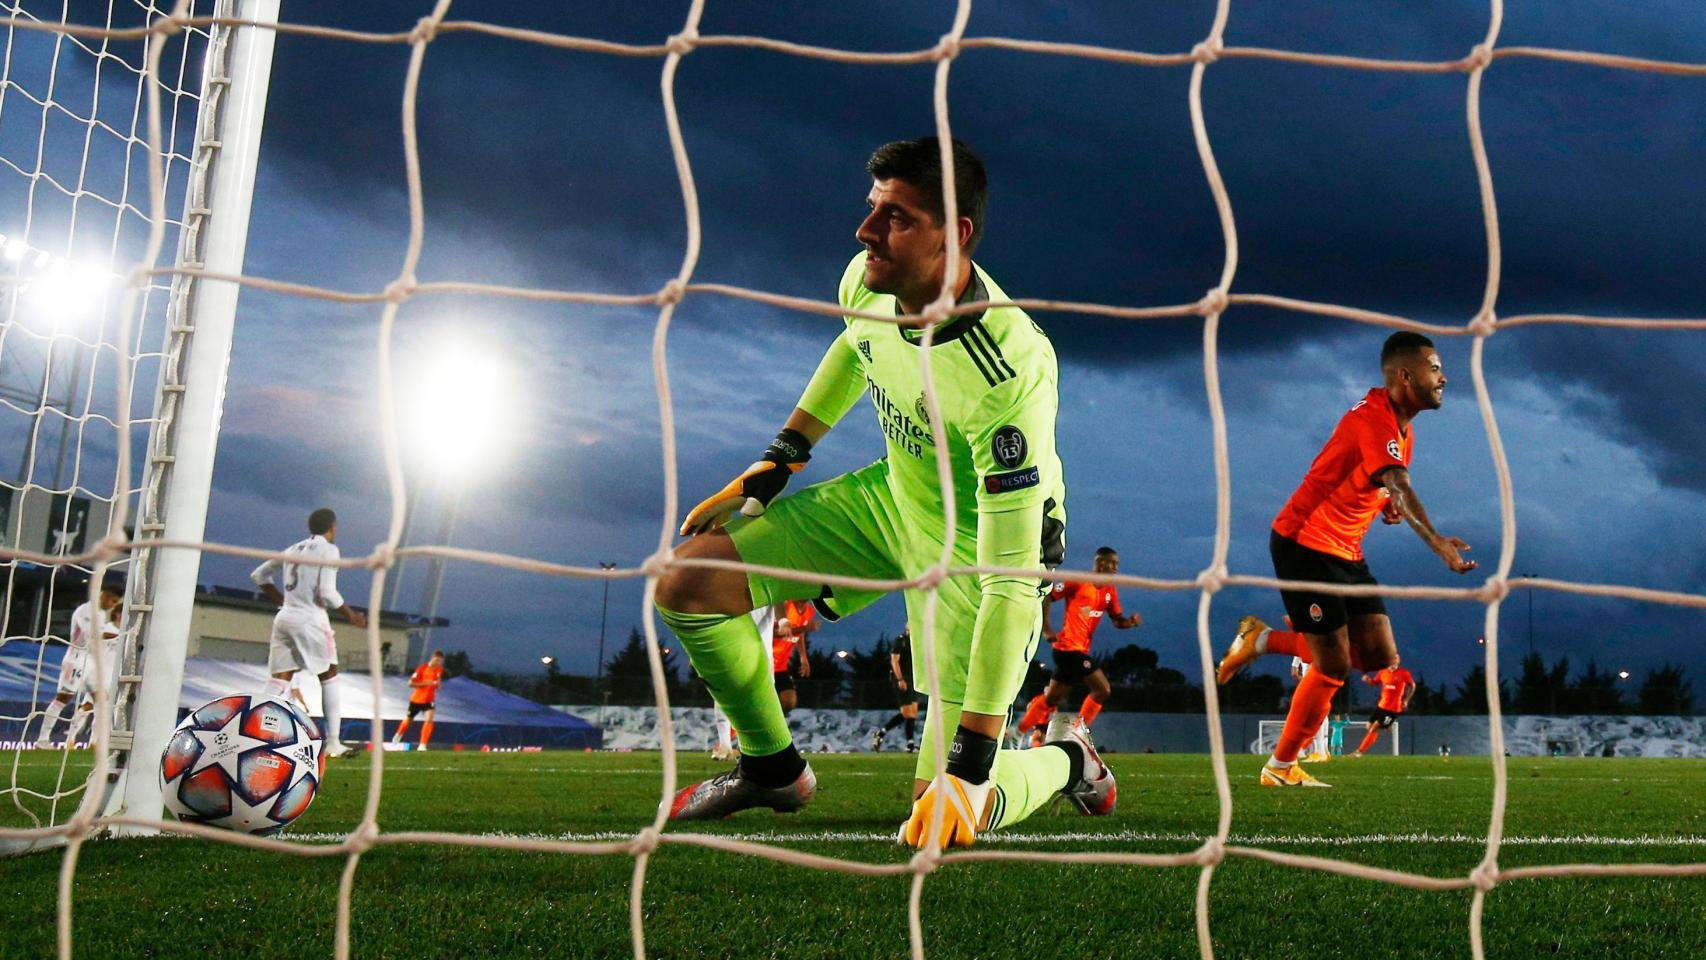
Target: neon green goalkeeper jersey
[996, 383]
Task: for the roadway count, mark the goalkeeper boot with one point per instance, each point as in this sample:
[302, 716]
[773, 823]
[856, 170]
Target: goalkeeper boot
[728, 793]
[1292, 776]
[1094, 794]
[877, 740]
[1242, 651]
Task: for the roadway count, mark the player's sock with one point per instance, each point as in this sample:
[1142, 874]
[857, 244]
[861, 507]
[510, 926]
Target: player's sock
[1310, 704]
[735, 663]
[426, 732]
[1368, 740]
[82, 724]
[333, 709]
[724, 741]
[401, 729]
[1287, 642]
[894, 721]
[911, 729]
[1036, 713]
[50, 719]
[773, 769]
[1087, 713]
[1027, 779]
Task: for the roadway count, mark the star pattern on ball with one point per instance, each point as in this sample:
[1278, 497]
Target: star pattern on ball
[303, 754]
[224, 747]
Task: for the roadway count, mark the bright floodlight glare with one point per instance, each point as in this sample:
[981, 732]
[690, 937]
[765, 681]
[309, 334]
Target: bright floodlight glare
[1622, 674]
[15, 250]
[455, 407]
[841, 653]
[547, 661]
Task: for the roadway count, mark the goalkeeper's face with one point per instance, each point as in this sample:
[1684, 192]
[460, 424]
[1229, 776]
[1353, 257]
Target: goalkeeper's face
[905, 244]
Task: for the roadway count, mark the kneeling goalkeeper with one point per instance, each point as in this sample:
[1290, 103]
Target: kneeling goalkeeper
[995, 379]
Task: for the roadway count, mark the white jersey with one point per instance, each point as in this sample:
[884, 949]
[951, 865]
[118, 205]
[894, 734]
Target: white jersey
[82, 627]
[307, 588]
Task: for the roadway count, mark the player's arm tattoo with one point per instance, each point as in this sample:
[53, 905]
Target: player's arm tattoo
[1409, 505]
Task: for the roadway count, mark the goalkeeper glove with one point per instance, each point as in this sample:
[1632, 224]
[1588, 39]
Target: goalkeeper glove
[965, 789]
[752, 491]
[962, 814]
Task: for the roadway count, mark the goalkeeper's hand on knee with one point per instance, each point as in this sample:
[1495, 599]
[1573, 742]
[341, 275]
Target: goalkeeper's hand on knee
[962, 816]
[752, 491]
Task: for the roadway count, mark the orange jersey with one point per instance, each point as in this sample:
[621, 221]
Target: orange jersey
[431, 676]
[1332, 508]
[1086, 603]
[796, 615]
[1394, 682]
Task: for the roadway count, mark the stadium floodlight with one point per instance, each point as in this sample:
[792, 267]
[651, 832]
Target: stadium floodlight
[62, 292]
[547, 661]
[15, 249]
[841, 654]
[1622, 674]
[455, 407]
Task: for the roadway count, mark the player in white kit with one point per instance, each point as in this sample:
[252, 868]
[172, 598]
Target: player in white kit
[302, 637]
[77, 670]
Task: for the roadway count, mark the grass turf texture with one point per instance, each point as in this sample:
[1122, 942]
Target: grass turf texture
[169, 897]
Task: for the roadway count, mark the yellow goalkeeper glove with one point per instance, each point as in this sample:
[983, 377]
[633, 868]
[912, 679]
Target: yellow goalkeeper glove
[752, 491]
[965, 789]
[962, 816]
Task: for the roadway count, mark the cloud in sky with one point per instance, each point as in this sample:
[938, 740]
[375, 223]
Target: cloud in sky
[548, 168]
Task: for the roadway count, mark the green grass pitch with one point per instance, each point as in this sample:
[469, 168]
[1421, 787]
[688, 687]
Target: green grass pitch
[172, 897]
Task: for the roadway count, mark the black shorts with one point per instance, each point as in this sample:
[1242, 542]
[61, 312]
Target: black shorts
[1072, 666]
[1320, 613]
[784, 680]
[905, 696]
[1385, 718]
[415, 708]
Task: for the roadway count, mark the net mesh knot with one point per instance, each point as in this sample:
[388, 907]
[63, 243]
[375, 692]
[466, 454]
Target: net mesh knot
[364, 837]
[1212, 302]
[658, 563]
[645, 841]
[1496, 588]
[109, 548]
[946, 48]
[382, 557]
[682, 44]
[426, 28]
[1485, 324]
[1485, 877]
[1211, 853]
[1207, 51]
[1212, 579]
[671, 293]
[1480, 56]
[932, 577]
[400, 289]
[924, 862]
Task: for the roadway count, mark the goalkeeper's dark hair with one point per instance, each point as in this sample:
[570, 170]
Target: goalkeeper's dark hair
[919, 162]
[1401, 345]
[1106, 552]
[322, 520]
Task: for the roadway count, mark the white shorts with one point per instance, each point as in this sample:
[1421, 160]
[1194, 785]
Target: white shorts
[302, 643]
[77, 674]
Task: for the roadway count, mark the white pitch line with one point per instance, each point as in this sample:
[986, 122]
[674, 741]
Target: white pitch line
[1121, 836]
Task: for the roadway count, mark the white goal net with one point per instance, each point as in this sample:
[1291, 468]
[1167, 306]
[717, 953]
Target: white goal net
[126, 344]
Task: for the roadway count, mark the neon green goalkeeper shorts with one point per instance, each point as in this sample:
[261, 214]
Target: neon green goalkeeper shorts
[853, 526]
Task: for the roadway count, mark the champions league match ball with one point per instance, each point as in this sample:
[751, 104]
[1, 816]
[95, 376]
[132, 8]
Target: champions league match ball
[246, 763]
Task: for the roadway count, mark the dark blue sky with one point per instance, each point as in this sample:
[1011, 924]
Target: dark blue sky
[550, 168]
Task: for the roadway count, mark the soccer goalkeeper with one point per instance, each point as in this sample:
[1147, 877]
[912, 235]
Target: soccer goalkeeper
[995, 381]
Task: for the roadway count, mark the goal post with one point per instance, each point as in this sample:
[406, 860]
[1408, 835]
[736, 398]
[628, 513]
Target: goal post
[178, 464]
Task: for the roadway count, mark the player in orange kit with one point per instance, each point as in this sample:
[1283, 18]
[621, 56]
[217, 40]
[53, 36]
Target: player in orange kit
[423, 697]
[794, 620]
[1361, 472]
[1086, 604]
[1397, 686]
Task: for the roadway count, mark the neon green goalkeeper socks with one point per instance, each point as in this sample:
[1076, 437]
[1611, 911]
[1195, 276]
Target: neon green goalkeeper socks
[1024, 781]
[735, 662]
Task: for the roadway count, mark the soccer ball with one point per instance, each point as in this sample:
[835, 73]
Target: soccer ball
[245, 763]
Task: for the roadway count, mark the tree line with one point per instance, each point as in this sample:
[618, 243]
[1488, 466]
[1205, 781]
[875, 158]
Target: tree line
[1140, 683]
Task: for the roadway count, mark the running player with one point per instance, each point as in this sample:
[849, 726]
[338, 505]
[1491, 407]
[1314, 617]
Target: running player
[423, 698]
[994, 376]
[1363, 470]
[906, 698]
[77, 670]
[794, 622]
[1397, 686]
[302, 637]
[1086, 604]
